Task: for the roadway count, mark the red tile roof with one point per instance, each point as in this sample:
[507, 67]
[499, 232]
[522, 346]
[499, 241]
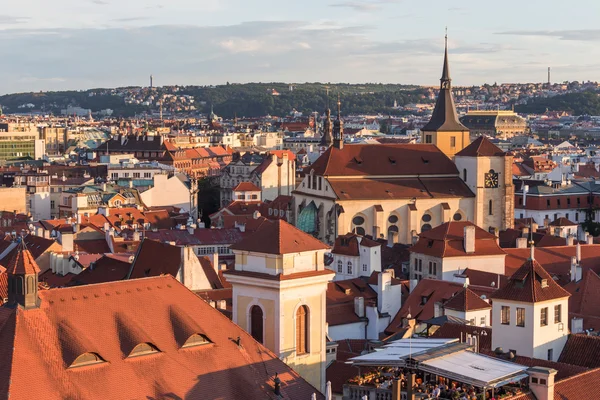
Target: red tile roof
[109, 320]
[155, 258]
[460, 331]
[525, 285]
[562, 221]
[481, 147]
[466, 300]
[22, 262]
[483, 278]
[432, 291]
[582, 350]
[383, 160]
[447, 240]
[348, 244]
[246, 187]
[577, 387]
[96, 246]
[399, 188]
[279, 237]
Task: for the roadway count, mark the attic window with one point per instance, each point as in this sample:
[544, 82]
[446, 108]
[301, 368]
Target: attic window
[87, 359]
[423, 300]
[358, 160]
[347, 291]
[425, 160]
[544, 283]
[392, 160]
[196, 339]
[430, 244]
[143, 349]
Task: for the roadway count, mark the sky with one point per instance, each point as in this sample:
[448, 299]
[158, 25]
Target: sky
[81, 44]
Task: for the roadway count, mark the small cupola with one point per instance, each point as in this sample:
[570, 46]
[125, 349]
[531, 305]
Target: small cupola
[22, 272]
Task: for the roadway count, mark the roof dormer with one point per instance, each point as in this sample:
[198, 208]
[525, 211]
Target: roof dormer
[143, 349]
[87, 359]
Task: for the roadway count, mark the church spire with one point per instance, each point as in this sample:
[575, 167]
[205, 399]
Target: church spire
[446, 80]
[327, 138]
[338, 127]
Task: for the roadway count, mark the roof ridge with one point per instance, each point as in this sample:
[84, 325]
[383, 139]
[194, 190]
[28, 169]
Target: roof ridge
[578, 375]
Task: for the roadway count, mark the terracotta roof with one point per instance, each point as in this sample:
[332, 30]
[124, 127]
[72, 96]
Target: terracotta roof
[383, 160]
[110, 320]
[525, 285]
[562, 221]
[3, 284]
[466, 300]
[582, 350]
[155, 258]
[577, 387]
[484, 278]
[481, 147]
[447, 240]
[95, 246]
[279, 237]
[420, 304]
[556, 260]
[246, 187]
[108, 268]
[400, 188]
[22, 262]
[338, 372]
[348, 244]
[585, 298]
[280, 153]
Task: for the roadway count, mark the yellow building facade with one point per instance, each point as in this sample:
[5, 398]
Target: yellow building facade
[279, 287]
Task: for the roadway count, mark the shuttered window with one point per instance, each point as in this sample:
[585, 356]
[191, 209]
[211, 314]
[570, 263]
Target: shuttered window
[302, 330]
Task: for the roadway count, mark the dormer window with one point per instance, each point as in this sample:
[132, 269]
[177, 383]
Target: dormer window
[423, 300]
[87, 359]
[197, 339]
[143, 349]
[544, 283]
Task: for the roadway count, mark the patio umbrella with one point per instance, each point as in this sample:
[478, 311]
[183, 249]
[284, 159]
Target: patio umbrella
[328, 393]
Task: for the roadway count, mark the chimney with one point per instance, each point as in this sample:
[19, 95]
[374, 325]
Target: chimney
[469, 239]
[384, 280]
[589, 239]
[546, 222]
[462, 279]
[576, 271]
[541, 382]
[359, 306]
[570, 240]
[191, 228]
[522, 243]
[525, 232]
[525, 191]
[214, 260]
[578, 252]
[66, 241]
[136, 236]
[534, 227]
[576, 325]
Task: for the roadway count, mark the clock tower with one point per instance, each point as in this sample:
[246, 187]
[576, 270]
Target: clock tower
[487, 171]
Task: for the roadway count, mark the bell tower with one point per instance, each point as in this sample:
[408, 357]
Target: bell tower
[279, 287]
[444, 129]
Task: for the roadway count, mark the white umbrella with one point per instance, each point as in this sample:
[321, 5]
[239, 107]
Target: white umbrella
[313, 397]
[328, 393]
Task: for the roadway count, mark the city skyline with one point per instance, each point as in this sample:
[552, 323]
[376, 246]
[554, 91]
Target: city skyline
[104, 43]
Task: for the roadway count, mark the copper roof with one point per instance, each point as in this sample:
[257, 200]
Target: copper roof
[481, 147]
[279, 237]
[525, 285]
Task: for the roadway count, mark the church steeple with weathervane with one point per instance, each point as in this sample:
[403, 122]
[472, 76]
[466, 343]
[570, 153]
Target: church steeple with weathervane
[338, 128]
[444, 129]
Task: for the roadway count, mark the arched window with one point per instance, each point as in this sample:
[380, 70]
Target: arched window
[490, 208]
[465, 174]
[360, 231]
[302, 330]
[256, 323]
[425, 228]
[87, 359]
[349, 267]
[197, 339]
[143, 349]
[340, 266]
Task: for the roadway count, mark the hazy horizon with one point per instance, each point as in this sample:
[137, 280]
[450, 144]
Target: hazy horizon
[83, 44]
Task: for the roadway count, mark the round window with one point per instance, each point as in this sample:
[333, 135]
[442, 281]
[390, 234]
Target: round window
[457, 217]
[358, 220]
[393, 219]
[425, 228]
[426, 218]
